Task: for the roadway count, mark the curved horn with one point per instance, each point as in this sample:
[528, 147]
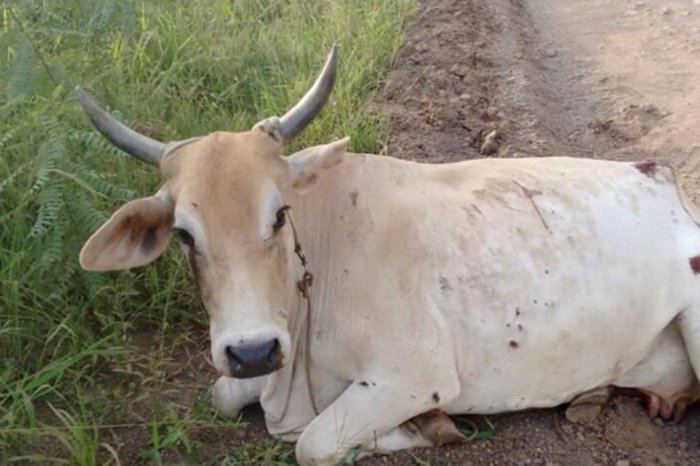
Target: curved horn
[296, 119]
[142, 147]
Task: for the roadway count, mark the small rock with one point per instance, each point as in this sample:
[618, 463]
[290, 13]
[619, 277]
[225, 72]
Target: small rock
[490, 144]
[666, 11]
[683, 444]
[659, 422]
[551, 52]
[459, 70]
[686, 13]
[622, 463]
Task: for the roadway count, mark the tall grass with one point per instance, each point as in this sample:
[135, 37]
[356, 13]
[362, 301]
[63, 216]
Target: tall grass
[172, 69]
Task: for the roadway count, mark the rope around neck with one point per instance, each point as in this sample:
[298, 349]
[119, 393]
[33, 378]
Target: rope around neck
[304, 286]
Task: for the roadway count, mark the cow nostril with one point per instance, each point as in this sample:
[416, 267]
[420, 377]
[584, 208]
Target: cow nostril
[274, 356]
[233, 357]
[254, 360]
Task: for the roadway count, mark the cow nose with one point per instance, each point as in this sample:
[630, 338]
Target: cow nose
[254, 360]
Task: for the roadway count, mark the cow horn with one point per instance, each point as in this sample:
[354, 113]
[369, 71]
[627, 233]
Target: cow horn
[142, 147]
[296, 119]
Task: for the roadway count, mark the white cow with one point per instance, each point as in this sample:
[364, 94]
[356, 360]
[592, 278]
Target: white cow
[476, 287]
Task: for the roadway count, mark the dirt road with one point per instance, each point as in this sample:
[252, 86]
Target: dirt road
[613, 79]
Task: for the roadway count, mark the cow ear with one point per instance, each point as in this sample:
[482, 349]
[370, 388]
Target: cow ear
[305, 166]
[135, 235]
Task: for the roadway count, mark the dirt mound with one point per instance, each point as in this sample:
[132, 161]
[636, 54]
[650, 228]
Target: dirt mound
[605, 79]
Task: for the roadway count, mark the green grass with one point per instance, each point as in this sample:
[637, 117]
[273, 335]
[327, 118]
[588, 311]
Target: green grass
[79, 350]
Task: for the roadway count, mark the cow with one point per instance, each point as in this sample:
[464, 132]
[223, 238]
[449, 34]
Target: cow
[358, 297]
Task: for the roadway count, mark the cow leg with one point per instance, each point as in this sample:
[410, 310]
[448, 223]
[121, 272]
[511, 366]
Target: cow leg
[363, 416]
[689, 323]
[399, 438]
[230, 395]
[429, 429]
[665, 378]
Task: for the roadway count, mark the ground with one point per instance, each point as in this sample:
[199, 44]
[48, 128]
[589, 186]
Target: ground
[613, 79]
[607, 79]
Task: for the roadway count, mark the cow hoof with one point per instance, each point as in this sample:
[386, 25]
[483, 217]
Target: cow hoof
[586, 407]
[436, 427]
[583, 413]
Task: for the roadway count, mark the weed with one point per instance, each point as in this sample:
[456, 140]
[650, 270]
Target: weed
[85, 353]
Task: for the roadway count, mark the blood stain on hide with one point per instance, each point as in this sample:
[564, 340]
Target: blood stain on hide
[353, 198]
[646, 167]
[695, 264]
[513, 344]
[436, 397]
[517, 311]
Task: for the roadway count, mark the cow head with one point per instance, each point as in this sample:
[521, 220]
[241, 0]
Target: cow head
[223, 198]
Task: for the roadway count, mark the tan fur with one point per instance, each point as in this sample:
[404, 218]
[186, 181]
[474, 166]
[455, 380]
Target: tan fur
[134, 236]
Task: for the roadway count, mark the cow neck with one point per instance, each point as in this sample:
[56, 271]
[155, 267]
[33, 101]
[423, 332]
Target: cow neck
[304, 287]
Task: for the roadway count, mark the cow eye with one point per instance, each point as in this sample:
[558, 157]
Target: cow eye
[281, 219]
[184, 236]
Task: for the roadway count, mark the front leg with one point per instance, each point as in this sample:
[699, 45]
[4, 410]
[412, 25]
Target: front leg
[365, 412]
[230, 395]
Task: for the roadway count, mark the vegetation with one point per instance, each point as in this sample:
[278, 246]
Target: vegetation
[99, 367]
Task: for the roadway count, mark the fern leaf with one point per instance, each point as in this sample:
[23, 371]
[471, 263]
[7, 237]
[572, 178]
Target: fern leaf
[21, 73]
